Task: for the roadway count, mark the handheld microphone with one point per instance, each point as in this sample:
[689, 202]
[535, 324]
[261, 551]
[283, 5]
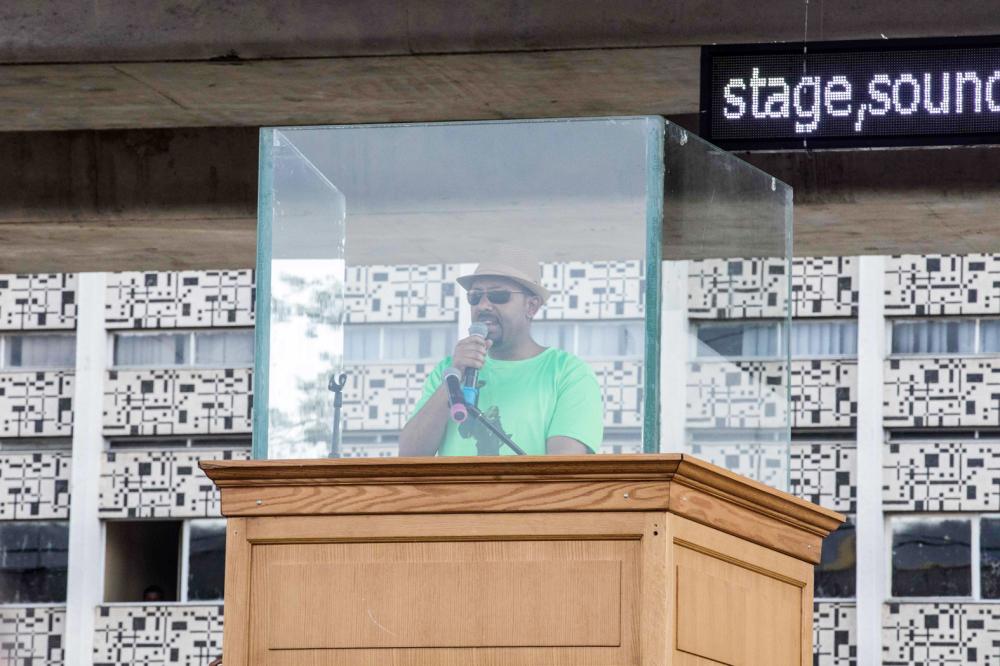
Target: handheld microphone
[456, 400]
[471, 378]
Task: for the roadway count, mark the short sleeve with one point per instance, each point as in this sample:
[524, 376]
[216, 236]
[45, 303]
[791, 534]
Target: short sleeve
[431, 384]
[579, 411]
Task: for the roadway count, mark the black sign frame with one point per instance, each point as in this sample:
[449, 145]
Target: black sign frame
[709, 53]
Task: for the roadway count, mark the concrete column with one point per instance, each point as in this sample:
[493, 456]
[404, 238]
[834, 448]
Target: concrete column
[86, 547]
[674, 357]
[871, 560]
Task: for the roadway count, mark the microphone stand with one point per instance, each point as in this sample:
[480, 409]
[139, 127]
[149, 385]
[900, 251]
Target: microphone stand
[336, 385]
[489, 436]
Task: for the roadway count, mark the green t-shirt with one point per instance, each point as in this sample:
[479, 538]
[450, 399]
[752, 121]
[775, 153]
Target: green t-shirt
[553, 393]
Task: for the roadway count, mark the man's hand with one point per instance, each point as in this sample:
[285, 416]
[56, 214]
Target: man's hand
[470, 352]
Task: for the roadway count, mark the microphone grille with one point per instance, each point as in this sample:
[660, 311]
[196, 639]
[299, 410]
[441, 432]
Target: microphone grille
[479, 328]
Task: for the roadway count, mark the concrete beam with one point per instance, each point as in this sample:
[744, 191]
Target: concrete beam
[141, 31]
[186, 198]
[492, 86]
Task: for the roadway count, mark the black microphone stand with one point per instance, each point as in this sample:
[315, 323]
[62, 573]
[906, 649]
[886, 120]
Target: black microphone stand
[488, 433]
[337, 386]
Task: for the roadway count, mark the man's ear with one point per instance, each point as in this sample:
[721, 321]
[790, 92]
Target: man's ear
[534, 304]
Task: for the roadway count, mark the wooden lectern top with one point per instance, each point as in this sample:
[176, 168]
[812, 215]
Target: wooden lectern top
[676, 483]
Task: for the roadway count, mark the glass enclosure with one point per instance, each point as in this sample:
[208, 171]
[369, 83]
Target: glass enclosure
[604, 256]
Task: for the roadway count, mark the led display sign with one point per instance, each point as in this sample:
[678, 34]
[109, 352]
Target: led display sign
[902, 92]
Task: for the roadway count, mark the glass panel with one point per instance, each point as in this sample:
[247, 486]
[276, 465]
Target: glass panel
[564, 208]
[206, 559]
[40, 351]
[989, 557]
[33, 561]
[151, 351]
[724, 379]
[558, 227]
[816, 339]
[933, 337]
[835, 574]
[224, 349]
[931, 558]
[300, 302]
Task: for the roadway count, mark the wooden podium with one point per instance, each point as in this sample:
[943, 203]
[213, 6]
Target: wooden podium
[511, 561]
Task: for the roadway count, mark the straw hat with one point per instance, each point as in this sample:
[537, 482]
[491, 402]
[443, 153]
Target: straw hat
[523, 271]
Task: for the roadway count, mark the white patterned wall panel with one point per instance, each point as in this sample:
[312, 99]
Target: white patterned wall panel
[824, 393]
[940, 634]
[388, 294]
[160, 484]
[941, 475]
[36, 404]
[742, 394]
[34, 486]
[38, 301]
[185, 299]
[158, 635]
[764, 462]
[757, 288]
[594, 290]
[381, 397]
[942, 392]
[622, 391]
[178, 402]
[825, 473]
[835, 633]
[32, 635]
[921, 285]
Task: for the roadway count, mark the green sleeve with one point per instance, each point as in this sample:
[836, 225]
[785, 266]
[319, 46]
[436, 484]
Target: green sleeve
[431, 384]
[579, 411]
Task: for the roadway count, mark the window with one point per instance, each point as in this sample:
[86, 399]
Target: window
[824, 338]
[593, 339]
[934, 337]
[182, 560]
[223, 349]
[37, 351]
[206, 560]
[738, 340]
[140, 555]
[932, 557]
[33, 561]
[397, 343]
[989, 558]
[819, 338]
[835, 574]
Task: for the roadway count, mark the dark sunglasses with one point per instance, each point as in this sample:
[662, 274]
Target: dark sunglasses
[495, 296]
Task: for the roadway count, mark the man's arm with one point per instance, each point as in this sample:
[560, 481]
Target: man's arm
[423, 433]
[562, 445]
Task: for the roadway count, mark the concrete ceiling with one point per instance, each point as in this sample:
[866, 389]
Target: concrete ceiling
[137, 197]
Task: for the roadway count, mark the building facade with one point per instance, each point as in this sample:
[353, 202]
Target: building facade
[174, 355]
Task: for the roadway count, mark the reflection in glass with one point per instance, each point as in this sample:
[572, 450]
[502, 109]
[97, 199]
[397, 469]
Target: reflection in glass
[931, 558]
[33, 561]
[835, 574]
[933, 337]
[989, 557]
[206, 560]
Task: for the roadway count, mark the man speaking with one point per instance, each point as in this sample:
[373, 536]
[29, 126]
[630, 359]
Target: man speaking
[547, 400]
